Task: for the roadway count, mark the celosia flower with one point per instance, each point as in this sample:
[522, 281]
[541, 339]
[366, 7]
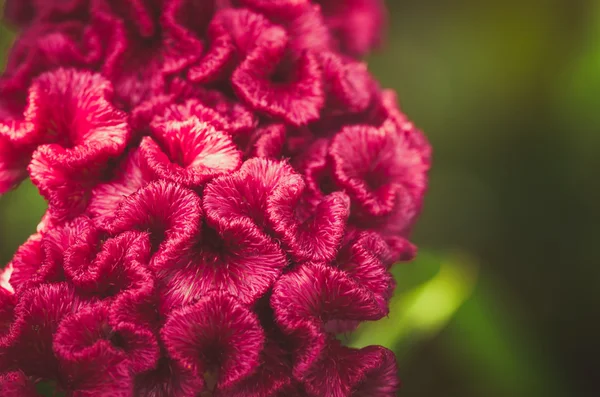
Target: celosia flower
[227, 190]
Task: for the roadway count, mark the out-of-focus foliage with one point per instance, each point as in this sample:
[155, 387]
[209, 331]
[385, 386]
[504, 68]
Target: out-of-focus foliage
[508, 92]
[420, 312]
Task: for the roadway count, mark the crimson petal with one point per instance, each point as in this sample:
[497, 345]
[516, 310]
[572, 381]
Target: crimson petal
[106, 197]
[238, 261]
[306, 299]
[17, 384]
[215, 336]
[346, 372]
[73, 113]
[170, 213]
[37, 317]
[189, 152]
[357, 24]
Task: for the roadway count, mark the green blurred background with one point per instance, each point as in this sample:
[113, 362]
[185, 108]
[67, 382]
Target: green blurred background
[503, 299]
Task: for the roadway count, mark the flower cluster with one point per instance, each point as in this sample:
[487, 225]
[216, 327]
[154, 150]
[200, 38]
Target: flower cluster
[227, 189]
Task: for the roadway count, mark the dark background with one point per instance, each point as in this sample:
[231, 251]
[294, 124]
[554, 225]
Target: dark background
[504, 298]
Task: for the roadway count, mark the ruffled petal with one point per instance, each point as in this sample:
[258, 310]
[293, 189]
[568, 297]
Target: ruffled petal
[235, 117]
[314, 236]
[56, 242]
[238, 260]
[105, 199]
[217, 60]
[350, 86]
[279, 8]
[37, 316]
[372, 164]
[268, 193]
[189, 152]
[26, 262]
[171, 214]
[356, 24]
[115, 270]
[169, 379]
[97, 354]
[23, 12]
[17, 384]
[346, 372]
[273, 376]
[136, 54]
[269, 79]
[215, 337]
[306, 299]
[119, 267]
[84, 132]
[267, 141]
[8, 301]
[245, 193]
[43, 47]
[366, 259]
[41, 258]
[13, 165]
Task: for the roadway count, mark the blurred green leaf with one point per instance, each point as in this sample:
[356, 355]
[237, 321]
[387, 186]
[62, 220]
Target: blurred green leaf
[487, 338]
[48, 389]
[20, 211]
[423, 311]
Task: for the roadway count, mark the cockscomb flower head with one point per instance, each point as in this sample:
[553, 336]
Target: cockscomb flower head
[227, 189]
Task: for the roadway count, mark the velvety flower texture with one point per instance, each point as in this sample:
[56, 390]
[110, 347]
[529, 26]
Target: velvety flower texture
[227, 189]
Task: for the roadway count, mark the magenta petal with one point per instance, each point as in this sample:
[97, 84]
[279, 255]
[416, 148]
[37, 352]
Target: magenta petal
[267, 141]
[279, 8]
[215, 336]
[43, 47]
[189, 152]
[107, 197]
[169, 379]
[351, 88]
[119, 268]
[216, 59]
[135, 49]
[17, 384]
[306, 299]
[245, 193]
[170, 213]
[41, 258]
[316, 238]
[8, 301]
[84, 132]
[92, 350]
[26, 261]
[55, 244]
[357, 24]
[13, 165]
[269, 79]
[118, 273]
[297, 100]
[38, 315]
[273, 375]
[235, 117]
[373, 165]
[366, 260]
[342, 372]
[184, 23]
[72, 109]
[174, 111]
[238, 260]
